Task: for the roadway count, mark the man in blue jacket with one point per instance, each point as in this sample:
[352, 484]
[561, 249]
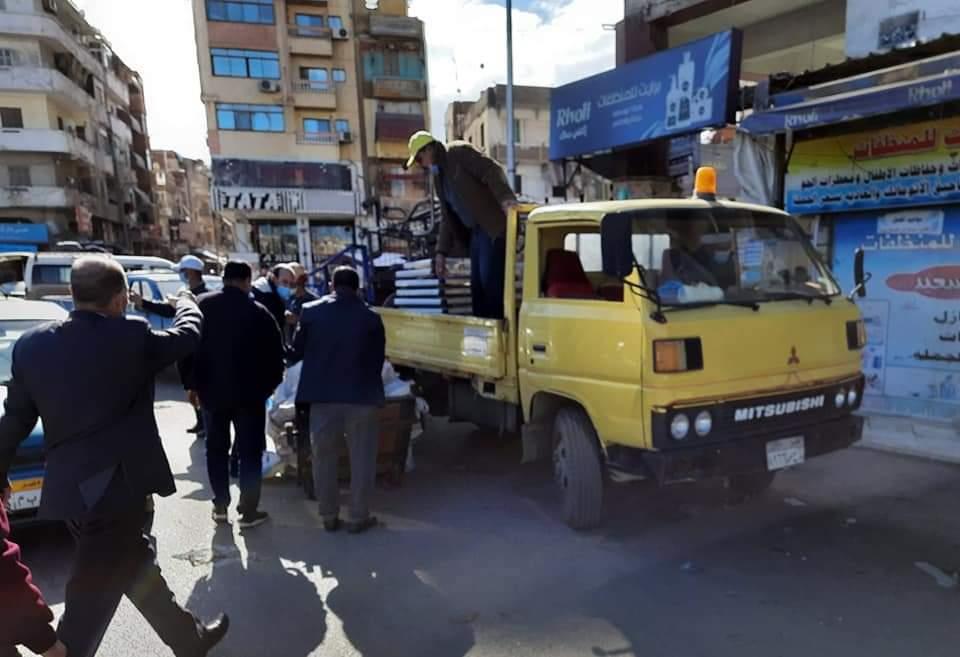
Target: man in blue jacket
[342, 345]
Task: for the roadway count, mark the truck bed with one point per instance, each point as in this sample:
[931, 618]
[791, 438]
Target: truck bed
[452, 345]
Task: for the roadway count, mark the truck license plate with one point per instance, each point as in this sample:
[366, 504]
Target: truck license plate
[785, 453]
[26, 494]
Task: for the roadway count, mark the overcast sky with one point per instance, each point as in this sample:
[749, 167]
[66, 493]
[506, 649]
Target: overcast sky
[555, 41]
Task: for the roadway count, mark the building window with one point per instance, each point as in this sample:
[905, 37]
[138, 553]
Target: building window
[246, 63]
[241, 11]
[339, 75]
[482, 136]
[309, 20]
[316, 126]
[317, 78]
[9, 56]
[311, 25]
[343, 126]
[516, 131]
[11, 117]
[335, 23]
[277, 242]
[19, 176]
[255, 118]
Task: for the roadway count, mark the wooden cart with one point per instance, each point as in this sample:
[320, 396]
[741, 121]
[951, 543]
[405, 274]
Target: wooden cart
[396, 419]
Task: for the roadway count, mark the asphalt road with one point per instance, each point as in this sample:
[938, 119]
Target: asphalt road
[474, 561]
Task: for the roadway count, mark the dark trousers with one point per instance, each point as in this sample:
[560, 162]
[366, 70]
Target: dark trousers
[487, 261]
[330, 426]
[250, 442]
[115, 558]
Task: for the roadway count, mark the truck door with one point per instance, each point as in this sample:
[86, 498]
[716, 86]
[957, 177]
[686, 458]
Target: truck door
[580, 335]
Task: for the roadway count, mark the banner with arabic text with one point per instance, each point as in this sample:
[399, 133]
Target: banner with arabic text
[912, 307]
[902, 166]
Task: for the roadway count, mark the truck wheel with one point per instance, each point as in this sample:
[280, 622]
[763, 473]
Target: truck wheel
[747, 486]
[577, 469]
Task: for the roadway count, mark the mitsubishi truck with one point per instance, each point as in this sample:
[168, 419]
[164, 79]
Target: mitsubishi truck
[668, 339]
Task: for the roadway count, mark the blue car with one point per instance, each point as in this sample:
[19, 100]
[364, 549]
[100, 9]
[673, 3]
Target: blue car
[158, 287]
[26, 476]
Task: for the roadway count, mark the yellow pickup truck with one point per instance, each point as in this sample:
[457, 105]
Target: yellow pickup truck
[670, 339]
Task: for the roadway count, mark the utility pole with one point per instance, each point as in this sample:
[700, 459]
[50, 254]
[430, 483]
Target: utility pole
[511, 139]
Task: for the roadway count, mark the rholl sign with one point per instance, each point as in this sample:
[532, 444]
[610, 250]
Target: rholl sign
[669, 93]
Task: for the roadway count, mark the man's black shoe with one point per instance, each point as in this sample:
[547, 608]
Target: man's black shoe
[211, 634]
[363, 525]
[332, 524]
[253, 519]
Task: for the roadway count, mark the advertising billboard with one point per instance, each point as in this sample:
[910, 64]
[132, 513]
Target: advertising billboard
[673, 92]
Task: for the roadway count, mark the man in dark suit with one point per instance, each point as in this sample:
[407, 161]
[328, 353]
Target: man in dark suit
[237, 367]
[91, 380]
[342, 343]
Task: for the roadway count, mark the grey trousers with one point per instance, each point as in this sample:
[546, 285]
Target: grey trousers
[330, 425]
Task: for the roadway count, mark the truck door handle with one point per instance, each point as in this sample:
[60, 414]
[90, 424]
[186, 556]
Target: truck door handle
[539, 348]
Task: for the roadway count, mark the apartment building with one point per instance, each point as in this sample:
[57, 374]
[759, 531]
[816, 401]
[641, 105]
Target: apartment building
[394, 86]
[184, 210]
[286, 92]
[74, 146]
[483, 123]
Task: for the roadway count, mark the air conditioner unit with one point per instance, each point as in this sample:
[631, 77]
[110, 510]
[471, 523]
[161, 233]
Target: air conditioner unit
[341, 33]
[346, 138]
[50, 6]
[269, 86]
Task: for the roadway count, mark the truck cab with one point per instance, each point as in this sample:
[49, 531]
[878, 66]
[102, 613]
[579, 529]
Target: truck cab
[676, 340]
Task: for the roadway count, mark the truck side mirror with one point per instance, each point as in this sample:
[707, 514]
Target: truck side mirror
[859, 277]
[616, 245]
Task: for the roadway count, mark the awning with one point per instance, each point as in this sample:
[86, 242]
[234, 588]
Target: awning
[855, 105]
[398, 127]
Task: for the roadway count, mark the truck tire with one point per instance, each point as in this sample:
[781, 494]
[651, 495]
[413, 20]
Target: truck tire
[747, 486]
[577, 469]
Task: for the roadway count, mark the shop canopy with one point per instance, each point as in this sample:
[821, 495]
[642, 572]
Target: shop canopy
[855, 105]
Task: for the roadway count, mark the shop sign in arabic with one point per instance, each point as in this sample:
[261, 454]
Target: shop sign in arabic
[904, 166]
[941, 282]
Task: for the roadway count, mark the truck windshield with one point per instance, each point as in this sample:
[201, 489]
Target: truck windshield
[724, 255]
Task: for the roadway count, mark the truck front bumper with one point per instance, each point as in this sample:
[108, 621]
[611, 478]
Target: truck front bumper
[739, 456]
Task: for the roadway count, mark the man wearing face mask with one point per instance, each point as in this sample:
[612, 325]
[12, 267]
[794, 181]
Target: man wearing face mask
[275, 290]
[474, 197]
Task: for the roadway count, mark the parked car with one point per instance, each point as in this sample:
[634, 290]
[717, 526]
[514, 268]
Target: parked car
[17, 316]
[158, 287]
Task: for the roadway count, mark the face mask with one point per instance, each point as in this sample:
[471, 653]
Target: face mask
[184, 277]
[284, 292]
[435, 169]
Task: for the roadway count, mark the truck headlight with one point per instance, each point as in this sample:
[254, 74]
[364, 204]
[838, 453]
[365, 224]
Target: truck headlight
[680, 426]
[852, 397]
[703, 424]
[840, 399]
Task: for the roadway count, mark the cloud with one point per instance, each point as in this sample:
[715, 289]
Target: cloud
[554, 43]
[156, 38]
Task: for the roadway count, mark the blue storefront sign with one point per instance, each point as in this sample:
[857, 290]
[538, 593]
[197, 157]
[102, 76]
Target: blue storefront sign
[673, 92]
[933, 90]
[24, 233]
[912, 308]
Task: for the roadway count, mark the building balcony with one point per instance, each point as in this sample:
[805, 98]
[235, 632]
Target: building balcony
[28, 79]
[39, 197]
[20, 140]
[119, 89]
[400, 27]
[137, 105]
[319, 95]
[531, 154]
[121, 130]
[399, 88]
[307, 40]
[318, 138]
[136, 125]
[139, 161]
[46, 28]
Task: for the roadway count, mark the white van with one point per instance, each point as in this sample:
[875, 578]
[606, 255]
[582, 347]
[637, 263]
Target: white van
[47, 275]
